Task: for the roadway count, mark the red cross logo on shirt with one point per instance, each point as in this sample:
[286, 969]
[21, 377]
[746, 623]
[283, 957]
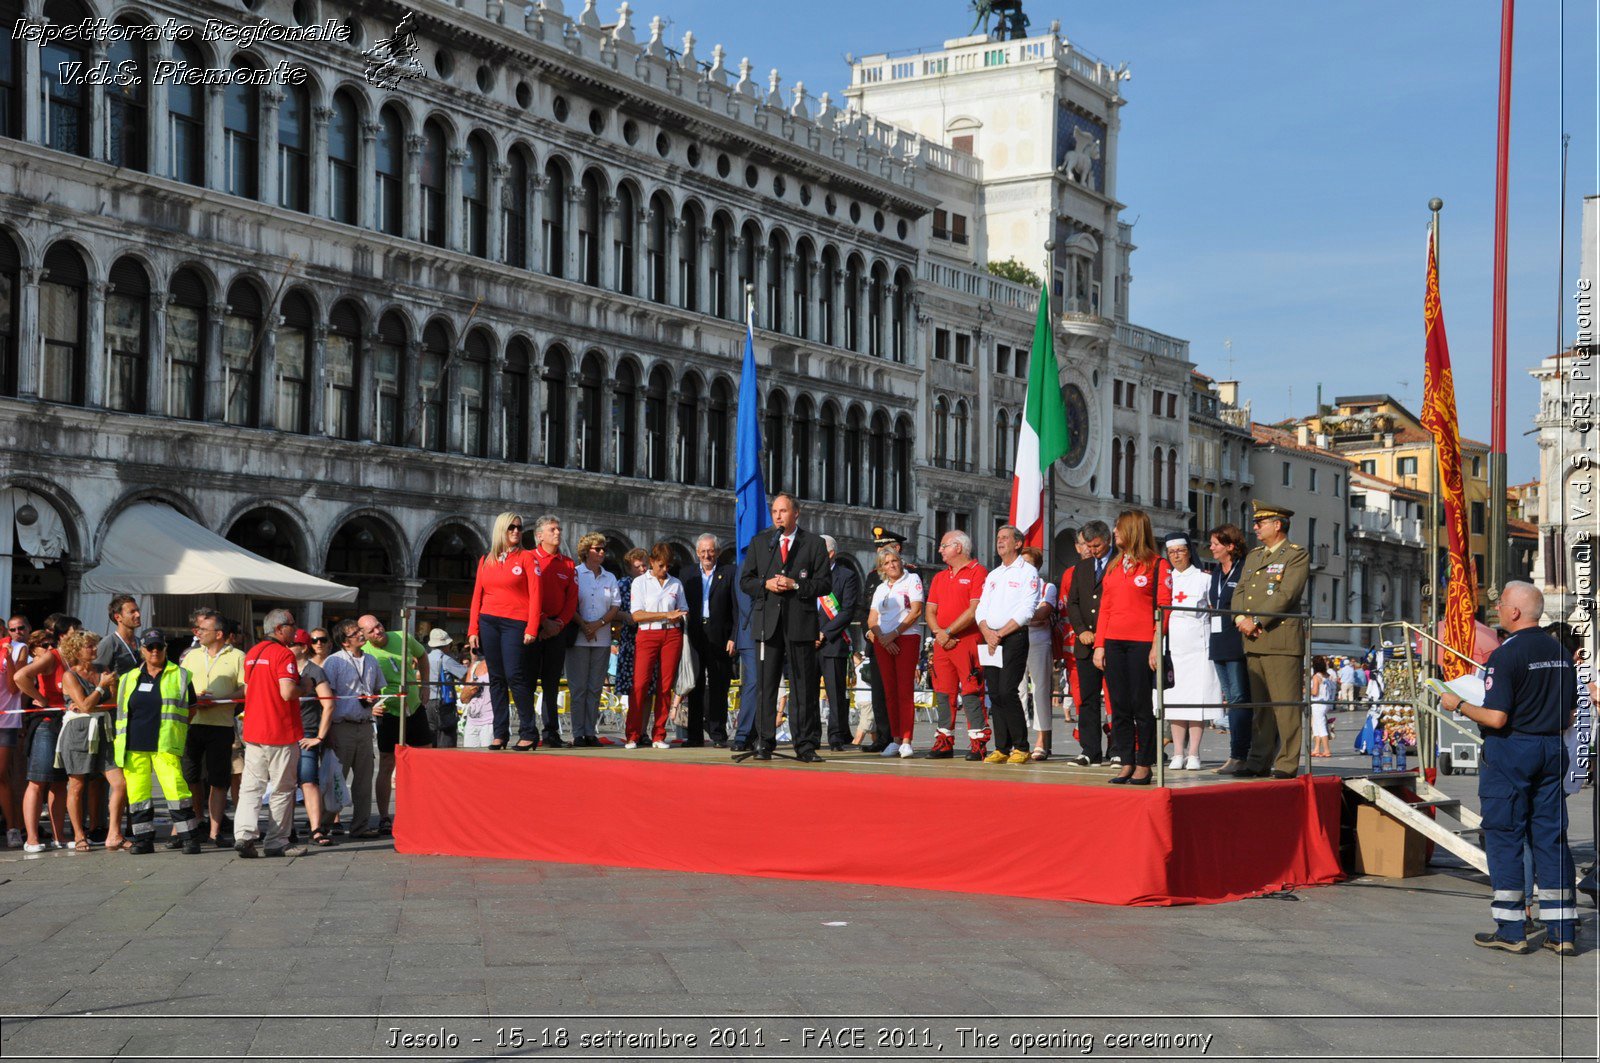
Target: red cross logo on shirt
[1181, 597]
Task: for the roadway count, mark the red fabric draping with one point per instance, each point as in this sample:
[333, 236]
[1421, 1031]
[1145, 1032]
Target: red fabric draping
[1105, 845]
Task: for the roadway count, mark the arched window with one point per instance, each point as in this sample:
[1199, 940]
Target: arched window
[1002, 443]
[802, 454]
[11, 65]
[390, 165]
[66, 99]
[879, 459]
[656, 246]
[1116, 468]
[127, 335]
[655, 423]
[902, 314]
[805, 253]
[750, 250]
[430, 386]
[241, 356]
[514, 397]
[774, 433]
[828, 283]
[689, 257]
[294, 149]
[388, 355]
[941, 433]
[777, 280]
[472, 393]
[188, 310]
[292, 348]
[1129, 464]
[241, 129]
[514, 210]
[721, 237]
[587, 432]
[717, 417]
[344, 162]
[341, 363]
[553, 416]
[828, 452]
[435, 222]
[902, 465]
[1172, 478]
[186, 118]
[553, 219]
[688, 442]
[854, 429]
[589, 230]
[10, 289]
[623, 240]
[475, 195]
[1156, 462]
[624, 418]
[127, 113]
[963, 451]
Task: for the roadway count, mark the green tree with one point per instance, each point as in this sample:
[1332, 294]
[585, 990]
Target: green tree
[1012, 270]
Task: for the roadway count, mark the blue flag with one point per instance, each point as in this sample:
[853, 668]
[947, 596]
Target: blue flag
[750, 493]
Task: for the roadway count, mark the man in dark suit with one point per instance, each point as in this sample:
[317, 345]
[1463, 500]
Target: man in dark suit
[709, 589]
[837, 611]
[785, 571]
[1083, 611]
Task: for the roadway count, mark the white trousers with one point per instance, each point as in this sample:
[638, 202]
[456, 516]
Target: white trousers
[268, 770]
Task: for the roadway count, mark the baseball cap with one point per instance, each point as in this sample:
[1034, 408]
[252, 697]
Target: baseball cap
[302, 637]
[152, 637]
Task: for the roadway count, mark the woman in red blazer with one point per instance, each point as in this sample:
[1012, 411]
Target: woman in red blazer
[1136, 581]
[505, 621]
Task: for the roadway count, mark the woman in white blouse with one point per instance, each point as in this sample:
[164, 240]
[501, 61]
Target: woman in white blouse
[659, 606]
[894, 627]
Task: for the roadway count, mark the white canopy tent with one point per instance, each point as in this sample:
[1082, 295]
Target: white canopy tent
[154, 549]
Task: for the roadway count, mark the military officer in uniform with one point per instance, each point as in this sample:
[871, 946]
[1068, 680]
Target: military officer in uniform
[1273, 580]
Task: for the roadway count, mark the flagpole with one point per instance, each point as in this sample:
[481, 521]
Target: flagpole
[1435, 205]
[1496, 546]
[1050, 476]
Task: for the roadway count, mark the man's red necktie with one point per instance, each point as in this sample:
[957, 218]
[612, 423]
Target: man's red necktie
[783, 549]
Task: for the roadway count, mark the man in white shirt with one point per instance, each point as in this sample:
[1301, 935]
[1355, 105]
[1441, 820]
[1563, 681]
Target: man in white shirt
[1011, 596]
[1347, 681]
[599, 601]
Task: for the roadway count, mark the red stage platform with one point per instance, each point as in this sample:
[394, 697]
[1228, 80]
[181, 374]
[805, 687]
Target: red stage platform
[1047, 830]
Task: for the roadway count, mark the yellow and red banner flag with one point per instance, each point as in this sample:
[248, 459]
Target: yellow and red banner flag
[1439, 418]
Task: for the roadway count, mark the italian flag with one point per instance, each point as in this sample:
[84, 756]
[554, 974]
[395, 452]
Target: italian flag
[1043, 437]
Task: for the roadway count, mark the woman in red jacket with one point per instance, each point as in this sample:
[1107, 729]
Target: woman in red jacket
[505, 621]
[1124, 642]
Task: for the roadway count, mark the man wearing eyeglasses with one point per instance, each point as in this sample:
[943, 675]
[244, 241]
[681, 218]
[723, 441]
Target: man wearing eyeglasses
[217, 671]
[1273, 581]
[272, 739]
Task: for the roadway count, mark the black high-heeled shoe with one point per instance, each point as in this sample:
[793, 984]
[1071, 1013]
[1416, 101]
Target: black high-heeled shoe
[1146, 781]
[1121, 780]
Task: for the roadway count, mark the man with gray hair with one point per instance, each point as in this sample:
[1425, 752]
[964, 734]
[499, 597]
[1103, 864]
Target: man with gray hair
[836, 612]
[952, 604]
[710, 622]
[273, 734]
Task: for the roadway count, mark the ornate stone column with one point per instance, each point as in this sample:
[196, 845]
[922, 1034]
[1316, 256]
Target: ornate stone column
[96, 362]
[610, 279]
[29, 330]
[537, 183]
[410, 397]
[413, 185]
[574, 263]
[319, 194]
[216, 399]
[367, 181]
[813, 322]
[216, 150]
[730, 269]
[155, 373]
[32, 100]
[316, 381]
[455, 222]
[495, 244]
[156, 104]
[95, 102]
[267, 168]
[494, 405]
[367, 387]
[671, 286]
[707, 301]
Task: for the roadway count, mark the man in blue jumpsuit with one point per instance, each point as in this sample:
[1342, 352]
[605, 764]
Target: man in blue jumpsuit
[1529, 694]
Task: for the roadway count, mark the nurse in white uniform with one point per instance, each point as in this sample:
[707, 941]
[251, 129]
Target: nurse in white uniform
[1189, 642]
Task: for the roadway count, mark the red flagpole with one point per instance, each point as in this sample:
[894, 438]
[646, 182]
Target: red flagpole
[1496, 575]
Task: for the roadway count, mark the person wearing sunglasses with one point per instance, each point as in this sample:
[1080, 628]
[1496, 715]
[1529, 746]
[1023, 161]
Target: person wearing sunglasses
[217, 671]
[154, 705]
[506, 612]
[13, 655]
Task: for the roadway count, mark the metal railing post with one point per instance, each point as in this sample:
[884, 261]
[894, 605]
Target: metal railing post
[1161, 698]
[1305, 679]
[405, 669]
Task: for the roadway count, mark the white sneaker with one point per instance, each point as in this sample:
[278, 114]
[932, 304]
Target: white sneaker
[631, 745]
[35, 848]
[1191, 764]
[892, 749]
[1176, 763]
[906, 751]
[13, 839]
[57, 844]
[660, 745]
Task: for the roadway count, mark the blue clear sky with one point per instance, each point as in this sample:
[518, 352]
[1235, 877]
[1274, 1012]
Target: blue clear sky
[1279, 158]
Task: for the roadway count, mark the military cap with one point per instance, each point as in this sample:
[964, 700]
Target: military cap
[882, 536]
[1265, 511]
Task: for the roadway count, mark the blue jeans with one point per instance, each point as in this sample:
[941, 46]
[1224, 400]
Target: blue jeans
[509, 671]
[1235, 691]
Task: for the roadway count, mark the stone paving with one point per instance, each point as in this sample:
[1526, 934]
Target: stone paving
[334, 940]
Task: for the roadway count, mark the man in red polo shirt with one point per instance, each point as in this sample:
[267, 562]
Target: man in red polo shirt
[952, 601]
[558, 600]
[272, 738]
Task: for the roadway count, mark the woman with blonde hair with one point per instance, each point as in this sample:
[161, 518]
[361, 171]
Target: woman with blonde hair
[1136, 581]
[659, 606]
[85, 747]
[894, 627]
[505, 622]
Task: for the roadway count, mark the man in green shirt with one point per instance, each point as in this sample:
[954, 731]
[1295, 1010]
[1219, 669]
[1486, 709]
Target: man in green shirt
[392, 650]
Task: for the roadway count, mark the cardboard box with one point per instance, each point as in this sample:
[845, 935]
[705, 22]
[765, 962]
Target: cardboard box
[1385, 847]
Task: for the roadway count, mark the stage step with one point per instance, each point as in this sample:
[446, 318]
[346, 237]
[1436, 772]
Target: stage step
[1378, 789]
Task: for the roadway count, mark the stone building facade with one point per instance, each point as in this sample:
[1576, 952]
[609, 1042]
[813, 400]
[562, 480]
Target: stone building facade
[345, 324]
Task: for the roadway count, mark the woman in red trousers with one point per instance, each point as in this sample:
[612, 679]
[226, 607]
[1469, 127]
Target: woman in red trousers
[894, 626]
[1136, 580]
[659, 607]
